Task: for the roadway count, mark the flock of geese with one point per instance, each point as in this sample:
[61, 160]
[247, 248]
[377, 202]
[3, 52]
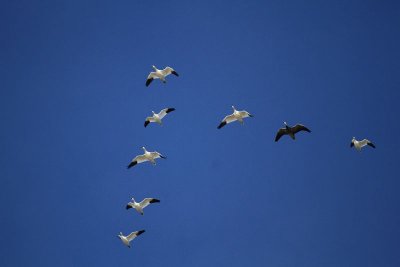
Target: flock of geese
[237, 115]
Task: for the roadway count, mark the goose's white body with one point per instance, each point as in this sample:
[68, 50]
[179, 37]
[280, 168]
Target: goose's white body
[160, 74]
[157, 117]
[147, 156]
[127, 239]
[139, 206]
[360, 144]
[235, 116]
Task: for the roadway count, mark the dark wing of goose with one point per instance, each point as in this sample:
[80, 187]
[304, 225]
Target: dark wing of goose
[170, 110]
[280, 133]
[175, 73]
[148, 81]
[298, 127]
[371, 144]
[146, 123]
[352, 144]
[154, 200]
[128, 207]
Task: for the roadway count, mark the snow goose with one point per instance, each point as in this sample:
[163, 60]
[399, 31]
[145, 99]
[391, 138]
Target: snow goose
[127, 239]
[157, 117]
[139, 206]
[160, 74]
[291, 131]
[360, 144]
[235, 116]
[147, 156]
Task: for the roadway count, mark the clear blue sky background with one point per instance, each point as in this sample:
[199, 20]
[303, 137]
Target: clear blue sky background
[73, 104]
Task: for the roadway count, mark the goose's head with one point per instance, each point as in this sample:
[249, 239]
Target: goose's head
[119, 235]
[144, 149]
[286, 125]
[154, 67]
[233, 107]
[153, 112]
[133, 200]
[353, 138]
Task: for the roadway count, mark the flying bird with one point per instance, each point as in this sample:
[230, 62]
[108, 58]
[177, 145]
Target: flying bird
[160, 74]
[360, 144]
[291, 131]
[147, 156]
[157, 117]
[235, 116]
[139, 206]
[127, 239]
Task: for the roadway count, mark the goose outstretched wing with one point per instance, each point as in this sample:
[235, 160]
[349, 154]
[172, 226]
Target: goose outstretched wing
[136, 160]
[168, 70]
[226, 120]
[245, 114]
[150, 78]
[147, 201]
[281, 132]
[299, 127]
[165, 112]
[133, 235]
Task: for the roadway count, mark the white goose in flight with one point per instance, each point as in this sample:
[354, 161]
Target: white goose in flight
[235, 116]
[157, 117]
[139, 206]
[360, 144]
[291, 131]
[127, 239]
[160, 74]
[147, 156]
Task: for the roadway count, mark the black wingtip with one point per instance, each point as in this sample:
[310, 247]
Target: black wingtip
[128, 207]
[163, 157]
[351, 144]
[251, 115]
[148, 81]
[277, 137]
[175, 73]
[146, 123]
[133, 163]
[372, 145]
[140, 232]
[222, 124]
[170, 110]
[154, 200]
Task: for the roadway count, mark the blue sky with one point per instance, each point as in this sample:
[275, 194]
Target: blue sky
[73, 103]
